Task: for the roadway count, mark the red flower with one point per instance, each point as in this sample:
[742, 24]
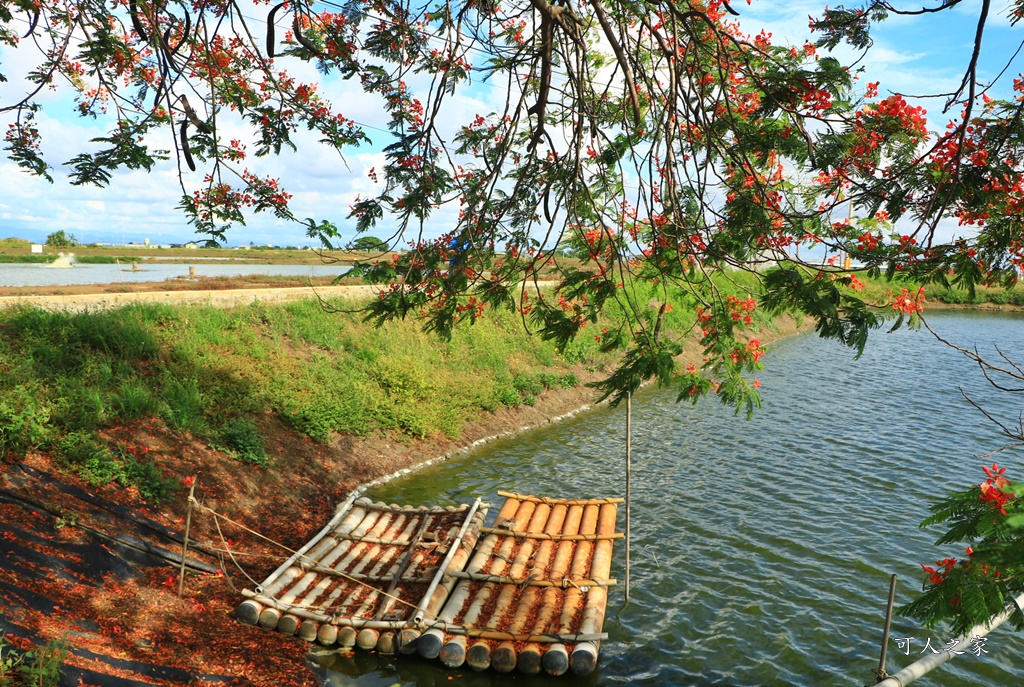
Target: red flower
[189, 481]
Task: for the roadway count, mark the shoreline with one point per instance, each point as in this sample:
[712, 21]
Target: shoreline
[144, 621]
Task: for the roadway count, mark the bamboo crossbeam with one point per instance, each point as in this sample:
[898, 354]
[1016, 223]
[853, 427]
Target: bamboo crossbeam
[529, 594]
[373, 540]
[473, 632]
[557, 502]
[562, 583]
[553, 537]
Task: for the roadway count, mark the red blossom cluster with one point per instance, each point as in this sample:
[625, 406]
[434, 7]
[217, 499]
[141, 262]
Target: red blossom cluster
[936, 576]
[992, 488]
[909, 303]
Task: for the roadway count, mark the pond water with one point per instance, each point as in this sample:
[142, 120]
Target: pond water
[47, 275]
[762, 549]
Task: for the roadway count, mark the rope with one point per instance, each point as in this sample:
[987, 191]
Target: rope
[217, 517]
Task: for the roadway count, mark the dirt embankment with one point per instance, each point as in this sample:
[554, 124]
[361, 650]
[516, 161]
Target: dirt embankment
[74, 567]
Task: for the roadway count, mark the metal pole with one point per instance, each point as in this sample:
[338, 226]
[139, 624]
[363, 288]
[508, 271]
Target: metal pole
[881, 672]
[963, 645]
[629, 470]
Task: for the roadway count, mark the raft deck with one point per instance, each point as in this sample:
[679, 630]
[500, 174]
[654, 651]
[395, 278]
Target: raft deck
[529, 593]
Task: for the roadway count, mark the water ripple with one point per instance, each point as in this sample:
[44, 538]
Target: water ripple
[762, 550]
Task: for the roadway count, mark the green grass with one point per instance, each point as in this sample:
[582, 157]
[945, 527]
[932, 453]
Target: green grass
[216, 373]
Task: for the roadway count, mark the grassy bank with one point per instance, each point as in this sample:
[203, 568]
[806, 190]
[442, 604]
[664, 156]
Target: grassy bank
[877, 290]
[71, 380]
[217, 373]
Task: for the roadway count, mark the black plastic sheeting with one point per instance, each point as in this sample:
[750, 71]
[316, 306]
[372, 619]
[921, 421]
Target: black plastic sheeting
[72, 676]
[110, 543]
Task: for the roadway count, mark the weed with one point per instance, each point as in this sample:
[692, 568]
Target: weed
[24, 420]
[134, 401]
[241, 437]
[39, 667]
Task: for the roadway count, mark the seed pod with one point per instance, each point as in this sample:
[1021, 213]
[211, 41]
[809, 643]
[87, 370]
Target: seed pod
[186, 151]
[303, 41]
[193, 117]
[184, 34]
[271, 40]
[32, 24]
[133, 10]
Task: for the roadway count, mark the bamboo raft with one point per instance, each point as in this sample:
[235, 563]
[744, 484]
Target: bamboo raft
[529, 593]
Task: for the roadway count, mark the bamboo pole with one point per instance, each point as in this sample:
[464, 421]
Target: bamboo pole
[475, 632]
[289, 623]
[963, 644]
[530, 655]
[435, 597]
[339, 514]
[504, 658]
[584, 657]
[453, 652]
[387, 525]
[556, 537]
[531, 581]
[429, 644]
[479, 653]
[184, 541]
[629, 475]
[555, 502]
[556, 659]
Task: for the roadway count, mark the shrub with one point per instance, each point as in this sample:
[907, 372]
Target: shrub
[1000, 297]
[24, 420]
[508, 396]
[527, 384]
[954, 296]
[241, 437]
[568, 380]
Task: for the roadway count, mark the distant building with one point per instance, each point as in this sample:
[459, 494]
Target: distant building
[37, 248]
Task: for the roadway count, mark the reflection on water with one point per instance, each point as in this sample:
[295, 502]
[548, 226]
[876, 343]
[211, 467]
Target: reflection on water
[47, 275]
[761, 550]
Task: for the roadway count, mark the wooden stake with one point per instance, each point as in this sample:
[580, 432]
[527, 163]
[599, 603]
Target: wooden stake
[184, 540]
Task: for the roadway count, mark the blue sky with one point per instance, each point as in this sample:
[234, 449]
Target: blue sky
[917, 55]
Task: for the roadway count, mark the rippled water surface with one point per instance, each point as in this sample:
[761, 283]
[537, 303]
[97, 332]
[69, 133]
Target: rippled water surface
[46, 275]
[762, 550]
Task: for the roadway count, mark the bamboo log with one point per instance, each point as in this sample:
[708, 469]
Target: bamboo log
[308, 630]
[248, 612]
[584, 657]
[475, 632]
[386, 645]
[504, 657]
[453, 652]
[327, 634]
[412, 523]
[479, 654]
[269, 617]
[429, 644]
[531, 581]
[557, 537]
[555, 502]
[367, 638]
[290, 579]
[441, 587]
[344, 523]
[347, 637]
[529, 660]
[556, 658]
[288, 624]
[339, 519]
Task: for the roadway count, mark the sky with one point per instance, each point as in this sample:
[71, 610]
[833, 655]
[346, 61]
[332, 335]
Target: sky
[913, 56]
